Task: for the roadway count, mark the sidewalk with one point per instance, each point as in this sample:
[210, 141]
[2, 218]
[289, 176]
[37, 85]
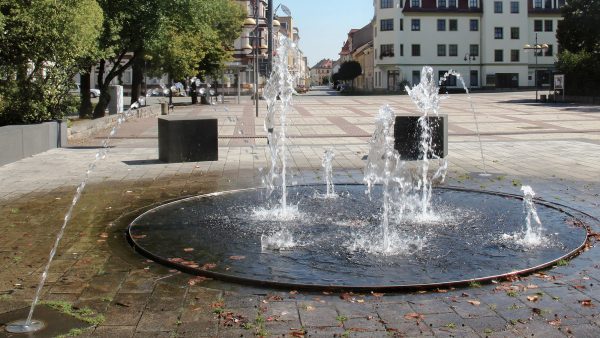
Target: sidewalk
[553, 148]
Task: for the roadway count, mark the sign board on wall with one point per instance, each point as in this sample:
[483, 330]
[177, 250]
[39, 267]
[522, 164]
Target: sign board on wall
[559, 81]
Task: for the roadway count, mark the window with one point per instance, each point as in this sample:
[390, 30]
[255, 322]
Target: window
[452, 3]
[548, 4]
[537, 25]
[386, 25]
[514, 55]
[387, 3]
[537, 3]
[474, 25]
[441, 25]
[441, 50]
[548, 25]
[514, 33]
[452, 50]
[441, 3]
[498, 33]
[473, 4]
[415, 24]
[401, 24]
[497, 6]
[386, 50]
[415, 3]
[514, 7]
[401, 50]
[549, 51]
[415, 50]
[453, 25]
[474, 50]
[498, 55]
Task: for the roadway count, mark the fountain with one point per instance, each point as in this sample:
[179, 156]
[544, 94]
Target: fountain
[402, 234]
[29, 324]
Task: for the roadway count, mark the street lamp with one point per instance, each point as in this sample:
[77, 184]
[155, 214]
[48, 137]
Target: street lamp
[536, 49]
[469, 57]
[273, 27]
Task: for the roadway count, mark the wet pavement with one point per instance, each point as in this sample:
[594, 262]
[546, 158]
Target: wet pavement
[555, 148]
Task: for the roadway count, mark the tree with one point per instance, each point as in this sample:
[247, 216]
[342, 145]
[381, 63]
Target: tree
[349, 70]
[578, 35]
[127, 26]
[196, 37]
[43, 43]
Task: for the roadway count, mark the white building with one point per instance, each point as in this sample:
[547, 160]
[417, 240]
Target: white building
[483, 40]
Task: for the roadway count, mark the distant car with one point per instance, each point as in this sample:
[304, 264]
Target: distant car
[76, 90]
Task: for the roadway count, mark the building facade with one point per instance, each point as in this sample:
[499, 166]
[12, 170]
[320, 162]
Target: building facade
[321, 72]
[483, 40]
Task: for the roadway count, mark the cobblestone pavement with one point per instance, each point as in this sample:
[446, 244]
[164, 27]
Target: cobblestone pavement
[555, 148]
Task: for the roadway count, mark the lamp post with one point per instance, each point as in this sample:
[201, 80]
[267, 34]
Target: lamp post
[469, 57]
[273, 27]
[536, 49]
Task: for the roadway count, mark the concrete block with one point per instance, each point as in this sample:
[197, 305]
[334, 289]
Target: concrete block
[35, 138]
[407, 135]
[11, 144]
[187, 139]
[115, 106]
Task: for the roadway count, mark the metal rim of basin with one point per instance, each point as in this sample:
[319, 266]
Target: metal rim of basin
[396, 287]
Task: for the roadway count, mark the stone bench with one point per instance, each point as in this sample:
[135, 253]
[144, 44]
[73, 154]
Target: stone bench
[187, 139]
[407, 135]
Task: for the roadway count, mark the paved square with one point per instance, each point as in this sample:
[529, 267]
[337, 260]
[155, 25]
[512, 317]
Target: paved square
[555, 148]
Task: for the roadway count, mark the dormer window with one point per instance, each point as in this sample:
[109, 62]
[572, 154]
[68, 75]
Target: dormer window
[537, 3]
[415, 3]
[452, 3]
[441, 3]
[473, 3]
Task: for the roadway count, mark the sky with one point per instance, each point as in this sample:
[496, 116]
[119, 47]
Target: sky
[324, 24]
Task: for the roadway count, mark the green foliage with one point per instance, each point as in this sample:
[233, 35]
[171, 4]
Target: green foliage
[84, 314]
[195, 36]
[579, 37]
[43, 43]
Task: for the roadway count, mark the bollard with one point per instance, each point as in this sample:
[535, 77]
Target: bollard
[164, 108]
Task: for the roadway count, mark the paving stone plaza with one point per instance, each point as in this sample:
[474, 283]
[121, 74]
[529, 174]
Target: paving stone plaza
[555, 148]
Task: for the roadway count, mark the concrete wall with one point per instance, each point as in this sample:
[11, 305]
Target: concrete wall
[21, 141]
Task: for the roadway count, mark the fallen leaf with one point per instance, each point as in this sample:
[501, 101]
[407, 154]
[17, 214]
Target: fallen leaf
[196, 280]
[441, 290]
[376, 294]
[208, 266]
[464, 294]
[536, 310]
[414, 315]
[579, 287]
[121, 304]
[237, 258]
[360, 301]
[358, 329]
[274, 298]
[586, 302]
[532, 286]
[293, 292]
[555, 322]
[298, 333]
[533, 298]
[188, 249]
[138, 236]
[347, 296]
[310, 308]
[176, 260]
[474, 302]
[273, 318]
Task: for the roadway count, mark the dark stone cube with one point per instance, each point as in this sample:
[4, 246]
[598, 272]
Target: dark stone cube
[407, 135]
[187, 139]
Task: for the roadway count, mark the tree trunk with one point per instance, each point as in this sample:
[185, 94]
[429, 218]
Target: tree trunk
[137, 76]
[104, 97]
[85, 107]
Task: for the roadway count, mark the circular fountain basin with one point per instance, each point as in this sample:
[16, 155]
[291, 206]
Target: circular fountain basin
[335, 243]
